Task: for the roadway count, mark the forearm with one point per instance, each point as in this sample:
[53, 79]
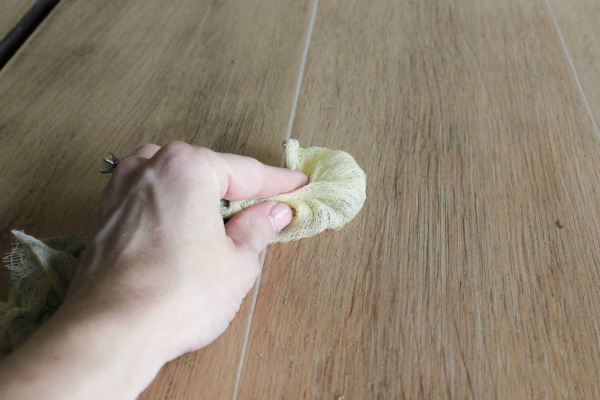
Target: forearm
[81, 353]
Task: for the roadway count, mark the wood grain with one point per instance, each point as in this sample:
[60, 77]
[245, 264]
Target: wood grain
[473, 270]
[11, 11]
[112, 75]
[578, 23]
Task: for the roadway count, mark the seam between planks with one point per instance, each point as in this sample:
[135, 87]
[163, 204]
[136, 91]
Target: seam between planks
[288, 135]
[573, 69]
[311, 25]
[240, 367]
[22, 31]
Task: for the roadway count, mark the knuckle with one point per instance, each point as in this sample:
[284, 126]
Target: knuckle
[256, 165]
[260, 172]
[125, 168]
[176, 149]
[259, 235]
[173, 158]
[185, 162]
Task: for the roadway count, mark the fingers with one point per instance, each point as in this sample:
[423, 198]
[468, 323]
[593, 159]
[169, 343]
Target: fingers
[246, 178]
[255, 227]
[239, 177]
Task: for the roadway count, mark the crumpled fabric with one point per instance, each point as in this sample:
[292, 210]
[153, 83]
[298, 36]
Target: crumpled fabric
[41, 271]
[334, 194]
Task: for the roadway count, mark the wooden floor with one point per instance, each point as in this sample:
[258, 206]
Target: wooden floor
[474, 269]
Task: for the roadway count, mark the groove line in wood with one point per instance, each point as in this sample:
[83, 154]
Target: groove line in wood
[573, 68]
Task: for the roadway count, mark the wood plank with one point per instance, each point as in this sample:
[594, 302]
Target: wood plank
[109, 76]
[578, 22]
[473, 271]
[11, 11]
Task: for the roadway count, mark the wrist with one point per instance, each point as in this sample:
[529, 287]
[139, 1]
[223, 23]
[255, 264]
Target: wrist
[83, 351]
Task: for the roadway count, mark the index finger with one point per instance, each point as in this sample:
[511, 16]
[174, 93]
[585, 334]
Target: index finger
[246, 178]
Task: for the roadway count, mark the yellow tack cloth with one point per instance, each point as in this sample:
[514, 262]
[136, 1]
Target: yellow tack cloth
[40, 274]
[334, 194]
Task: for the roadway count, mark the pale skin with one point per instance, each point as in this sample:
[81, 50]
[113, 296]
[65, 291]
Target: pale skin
[161, 275]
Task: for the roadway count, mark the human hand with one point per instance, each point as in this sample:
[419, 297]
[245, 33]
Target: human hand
[161, 274]
[158, 244]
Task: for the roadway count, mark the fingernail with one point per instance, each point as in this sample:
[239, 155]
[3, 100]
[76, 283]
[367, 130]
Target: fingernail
[280, 216]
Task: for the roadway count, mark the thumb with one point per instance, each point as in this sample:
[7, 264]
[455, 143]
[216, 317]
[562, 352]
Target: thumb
[255, 227]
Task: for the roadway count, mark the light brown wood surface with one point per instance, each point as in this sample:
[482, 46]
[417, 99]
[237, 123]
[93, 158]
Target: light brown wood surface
[11, 11]
[456, 280]
[474, 269]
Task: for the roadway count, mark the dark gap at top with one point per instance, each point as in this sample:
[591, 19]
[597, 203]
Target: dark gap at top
[11, 43]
